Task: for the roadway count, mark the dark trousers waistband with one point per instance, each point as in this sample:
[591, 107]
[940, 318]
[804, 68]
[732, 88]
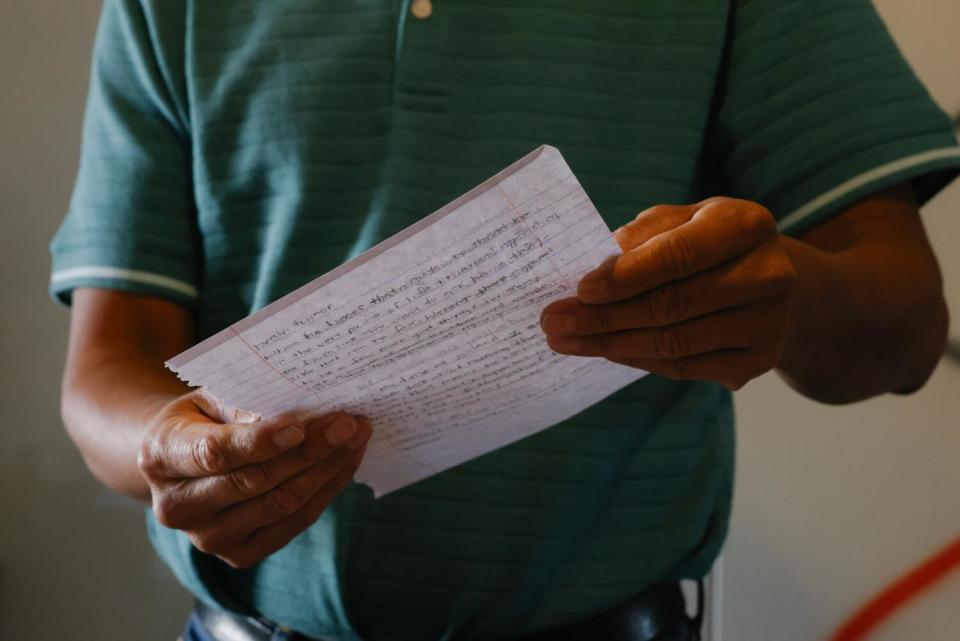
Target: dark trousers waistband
[656, 614]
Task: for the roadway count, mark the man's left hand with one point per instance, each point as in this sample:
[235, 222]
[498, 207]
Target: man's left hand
[701, 292]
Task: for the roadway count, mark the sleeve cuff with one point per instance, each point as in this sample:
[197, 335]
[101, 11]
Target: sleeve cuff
[64, 281]
[932, 170]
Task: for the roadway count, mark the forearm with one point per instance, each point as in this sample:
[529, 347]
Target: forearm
[866, 320]
[115, 383]
[107, 405]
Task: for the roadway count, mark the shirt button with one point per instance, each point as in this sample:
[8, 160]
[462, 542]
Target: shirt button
[421, 9]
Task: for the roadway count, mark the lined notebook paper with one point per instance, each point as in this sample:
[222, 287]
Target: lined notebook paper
[434, 333]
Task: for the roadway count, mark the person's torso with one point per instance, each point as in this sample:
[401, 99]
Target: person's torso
[320, 128]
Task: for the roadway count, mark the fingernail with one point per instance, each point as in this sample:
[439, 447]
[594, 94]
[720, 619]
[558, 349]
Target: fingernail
[559, 323]
[341, 430]
[359, 439]
[288, 437]
[565, 344]
[593, 290]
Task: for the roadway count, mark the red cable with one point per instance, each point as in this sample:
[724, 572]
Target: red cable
[899, 593]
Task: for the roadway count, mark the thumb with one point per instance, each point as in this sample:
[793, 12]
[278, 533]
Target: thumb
[211, 406]
[197, 441]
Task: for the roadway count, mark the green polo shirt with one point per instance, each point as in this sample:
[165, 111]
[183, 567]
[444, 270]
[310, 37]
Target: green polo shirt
[234, 150]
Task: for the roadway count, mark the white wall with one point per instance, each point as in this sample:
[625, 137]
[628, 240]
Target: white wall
[831, 502]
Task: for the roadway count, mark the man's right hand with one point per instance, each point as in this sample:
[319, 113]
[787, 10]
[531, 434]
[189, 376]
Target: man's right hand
[243, 490]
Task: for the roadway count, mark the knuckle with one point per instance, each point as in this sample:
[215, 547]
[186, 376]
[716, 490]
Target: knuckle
[603, 318]
[654, 310]
[668, 304]
[713, 200]
[168, 511]
[149, 460]
[648, 212]
[283, 501]
[781, 277]
[669, 343]
[163, 515]
[757, 220]
[207, 453]
[250, 480]
[677, 255]
[297, 493]
[245, 444]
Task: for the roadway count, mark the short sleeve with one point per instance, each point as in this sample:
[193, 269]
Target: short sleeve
[131, 220]
[817, 109]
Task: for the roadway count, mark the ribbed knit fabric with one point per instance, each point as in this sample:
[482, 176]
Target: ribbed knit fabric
[235, 150]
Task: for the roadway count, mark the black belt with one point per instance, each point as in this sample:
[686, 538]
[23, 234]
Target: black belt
[656, 614]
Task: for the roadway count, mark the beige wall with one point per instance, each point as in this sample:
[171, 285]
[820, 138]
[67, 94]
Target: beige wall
[831, 502]
[74, 560]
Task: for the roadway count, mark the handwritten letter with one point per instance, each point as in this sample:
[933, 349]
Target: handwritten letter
[434, 333]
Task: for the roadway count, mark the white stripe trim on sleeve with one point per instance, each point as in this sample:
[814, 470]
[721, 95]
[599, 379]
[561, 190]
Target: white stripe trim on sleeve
[866, 178]
[119, 273]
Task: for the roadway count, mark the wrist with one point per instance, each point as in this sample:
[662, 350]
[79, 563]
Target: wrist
[821, 337]
[858, 329]
[818, 283]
